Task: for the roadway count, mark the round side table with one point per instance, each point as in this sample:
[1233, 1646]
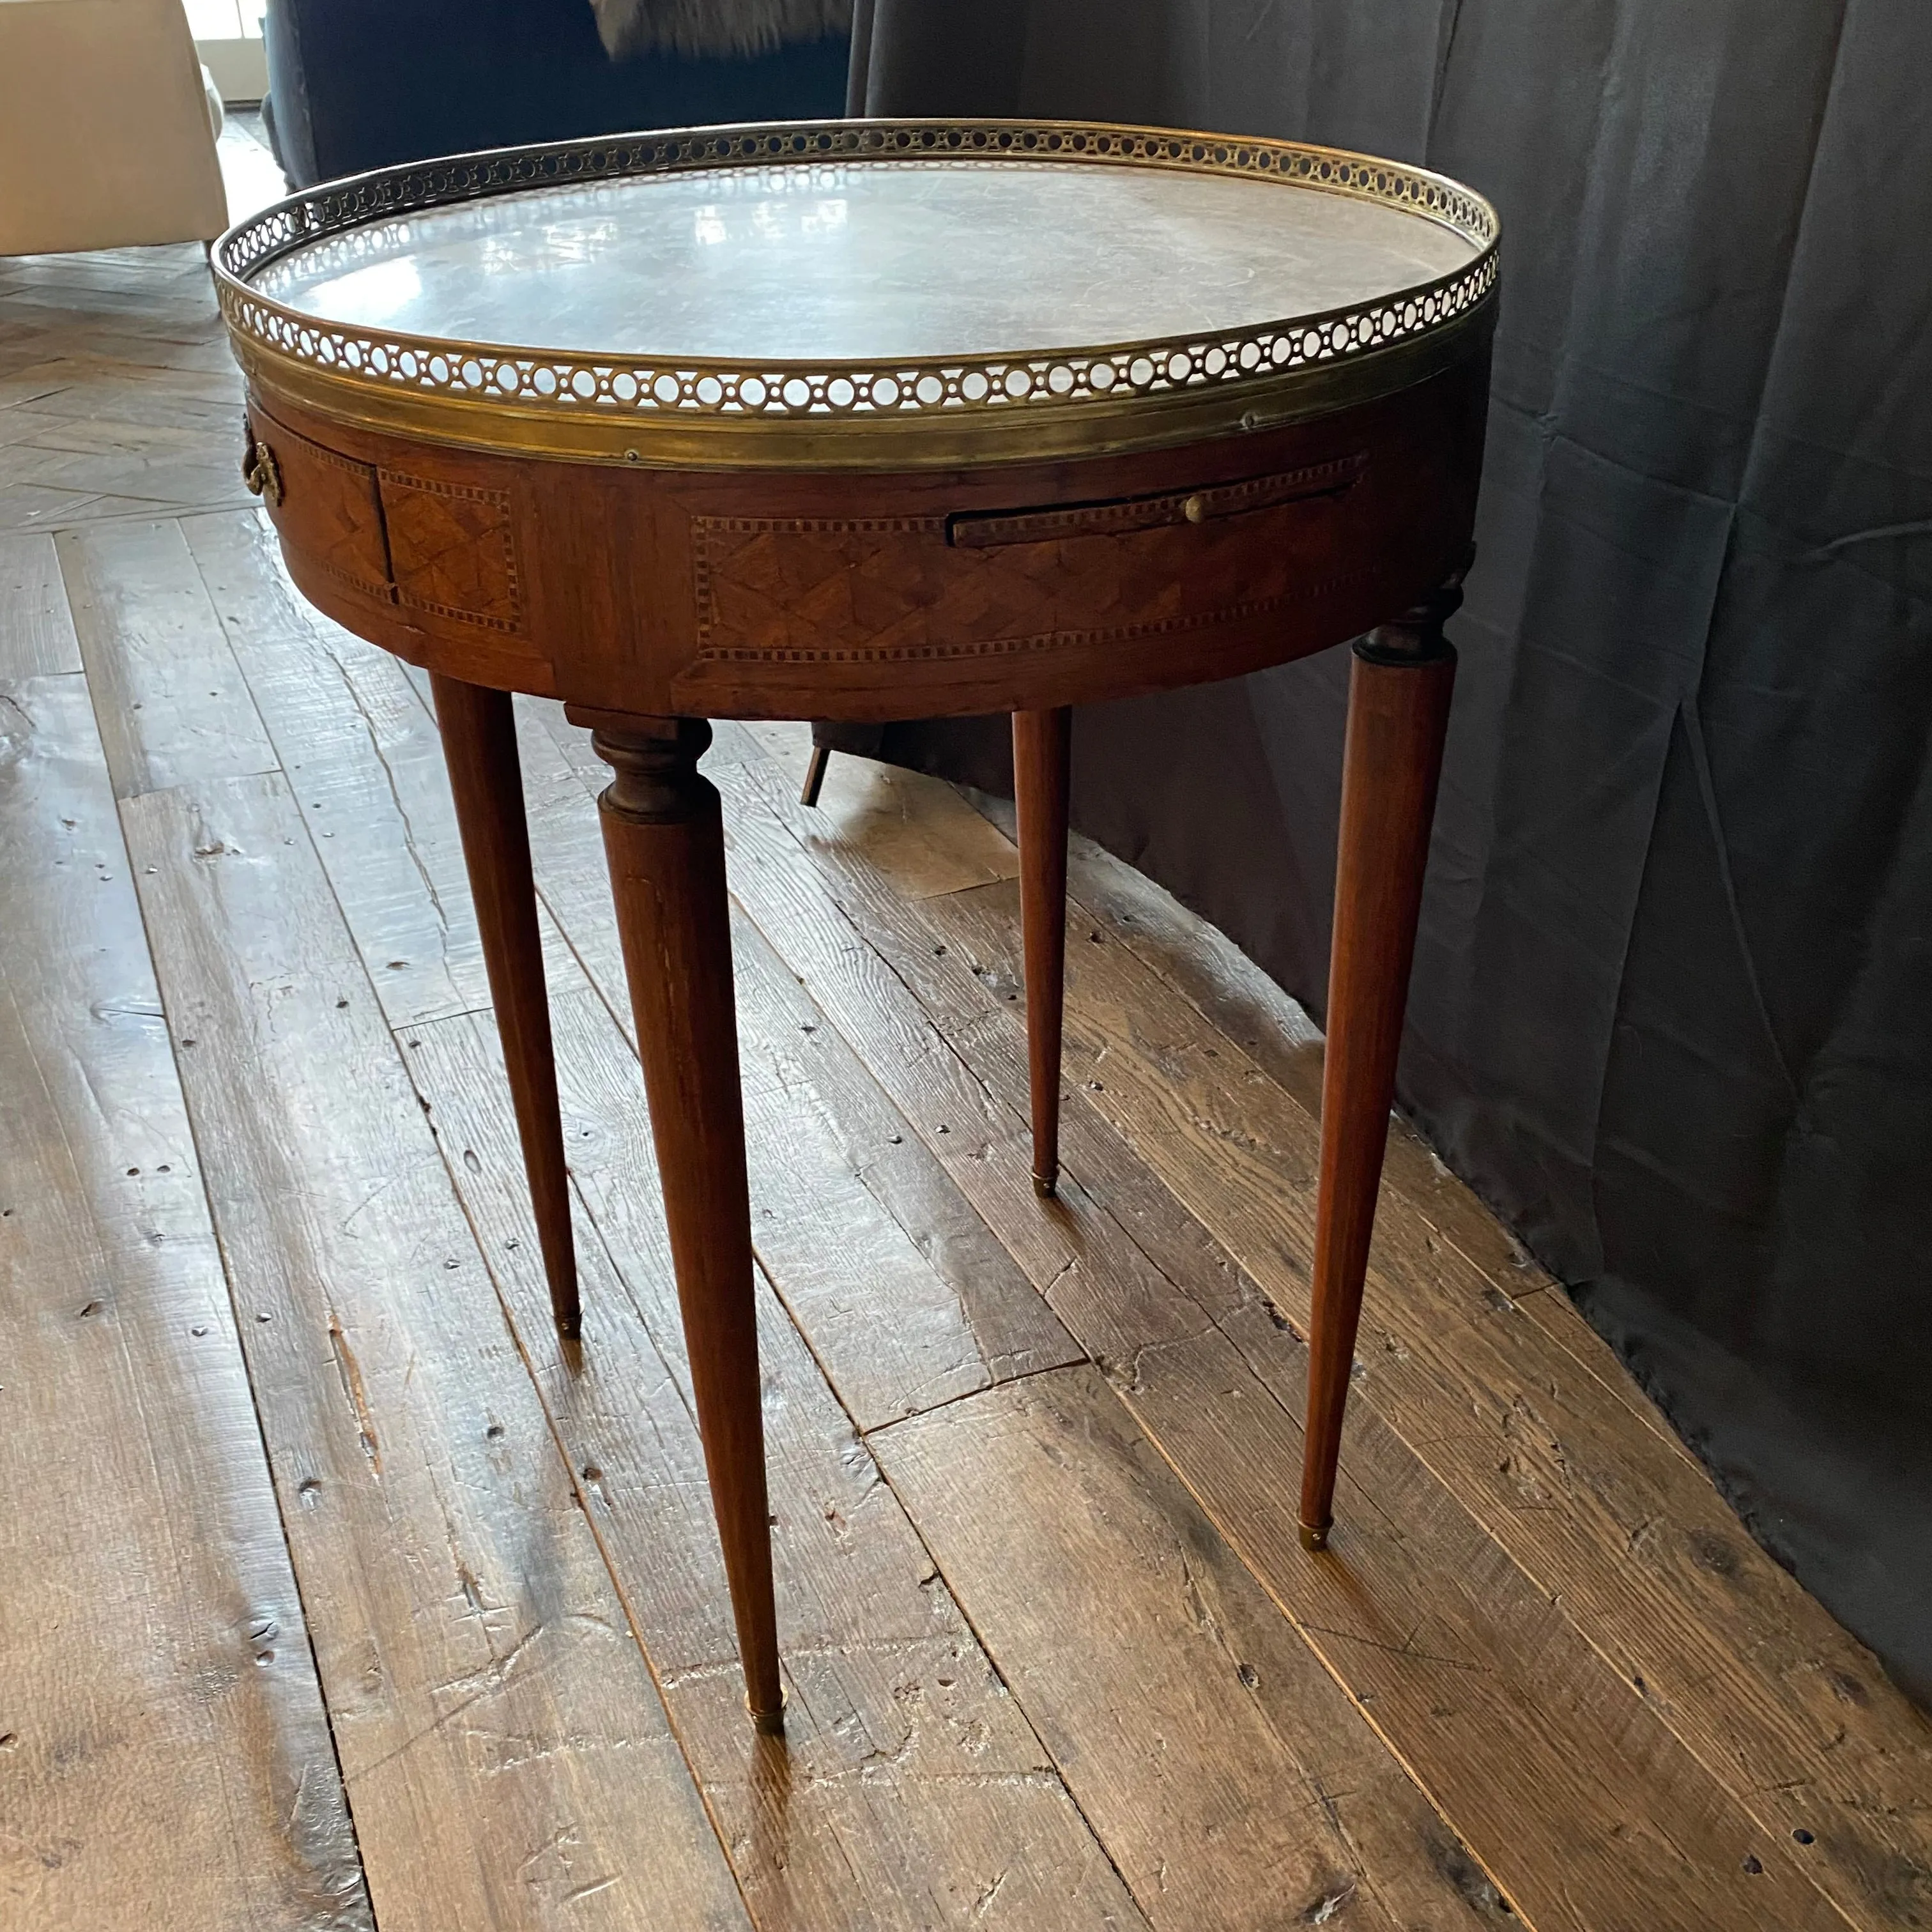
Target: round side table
[872, 420]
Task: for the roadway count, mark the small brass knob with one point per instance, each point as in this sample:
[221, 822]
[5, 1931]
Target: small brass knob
[1194, 509]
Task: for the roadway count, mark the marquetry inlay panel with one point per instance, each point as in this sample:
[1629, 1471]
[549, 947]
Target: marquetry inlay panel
[328, 510]
[452, 550]
[808, 590]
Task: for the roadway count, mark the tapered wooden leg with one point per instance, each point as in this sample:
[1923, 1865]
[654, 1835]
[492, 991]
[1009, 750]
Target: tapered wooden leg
[814, 775]
[1043, 742]
[836, 734]
[1398, 712]
[479, 746]
[665, 841]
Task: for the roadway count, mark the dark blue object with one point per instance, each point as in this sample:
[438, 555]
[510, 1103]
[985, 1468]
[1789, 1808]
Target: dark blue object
[357, 84]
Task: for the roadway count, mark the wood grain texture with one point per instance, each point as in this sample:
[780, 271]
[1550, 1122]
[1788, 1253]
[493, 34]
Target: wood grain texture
[37, 637]
[1606, 1512]
[506, 1756]
[109, 436]
[910, 827]
[451, 551]
[1888, 1882]
[760, 593]
[891, 590]
[167, 477]
[838, 589]
[1739, 1597]
[1763, 1615]
[1232, 1780]
[479, 748]
[360, 744]
[1489, 1417]
[1398, 715]
[349, 721]
[909, 1792]
[112, 391]
[665, 841]
[328, 510]
[164, 1760]
[1532, 1679]
[119, 400]
[1750, 1669]
[847, 1197]
[839, 1185]
[170, 698]
[1239, 1000]
[1043, 745]
[1241, 1003]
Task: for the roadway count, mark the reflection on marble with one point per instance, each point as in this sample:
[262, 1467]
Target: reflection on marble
[872, 260]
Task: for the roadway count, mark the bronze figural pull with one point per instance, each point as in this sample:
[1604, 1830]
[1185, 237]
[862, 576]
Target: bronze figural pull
[261, 472]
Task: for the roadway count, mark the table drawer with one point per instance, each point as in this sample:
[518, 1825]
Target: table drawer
[325, 507]
[801, 590]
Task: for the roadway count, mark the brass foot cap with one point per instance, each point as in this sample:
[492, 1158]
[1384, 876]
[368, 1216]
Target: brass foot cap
[767, 1723]
[1314, 1539]
[1045, 1185]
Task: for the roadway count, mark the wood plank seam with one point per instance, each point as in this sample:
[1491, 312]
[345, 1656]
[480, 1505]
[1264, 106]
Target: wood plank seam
[781, 1279]
[1092, 869]
[493, 1676]
[576, 1478]
[810, 1338]
[1118, 899]
[1864, 1863]
[962, 1599]
[780, 809]
[719, 1672]
[129, 1291]
[582, 1487]
[791, 1654]
[667, 1681]
[1880, 1872]
[1114, 1371]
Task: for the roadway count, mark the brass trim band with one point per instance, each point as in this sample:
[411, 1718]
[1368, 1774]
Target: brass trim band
[692, 413]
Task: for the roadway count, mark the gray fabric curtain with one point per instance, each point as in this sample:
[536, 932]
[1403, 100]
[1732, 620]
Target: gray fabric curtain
[1673, 1005]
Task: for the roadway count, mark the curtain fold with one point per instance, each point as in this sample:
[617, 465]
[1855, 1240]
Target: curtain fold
[1671, 1011]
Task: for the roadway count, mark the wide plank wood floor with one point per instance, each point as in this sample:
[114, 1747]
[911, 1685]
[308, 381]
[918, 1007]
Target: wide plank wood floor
[336, 1593]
